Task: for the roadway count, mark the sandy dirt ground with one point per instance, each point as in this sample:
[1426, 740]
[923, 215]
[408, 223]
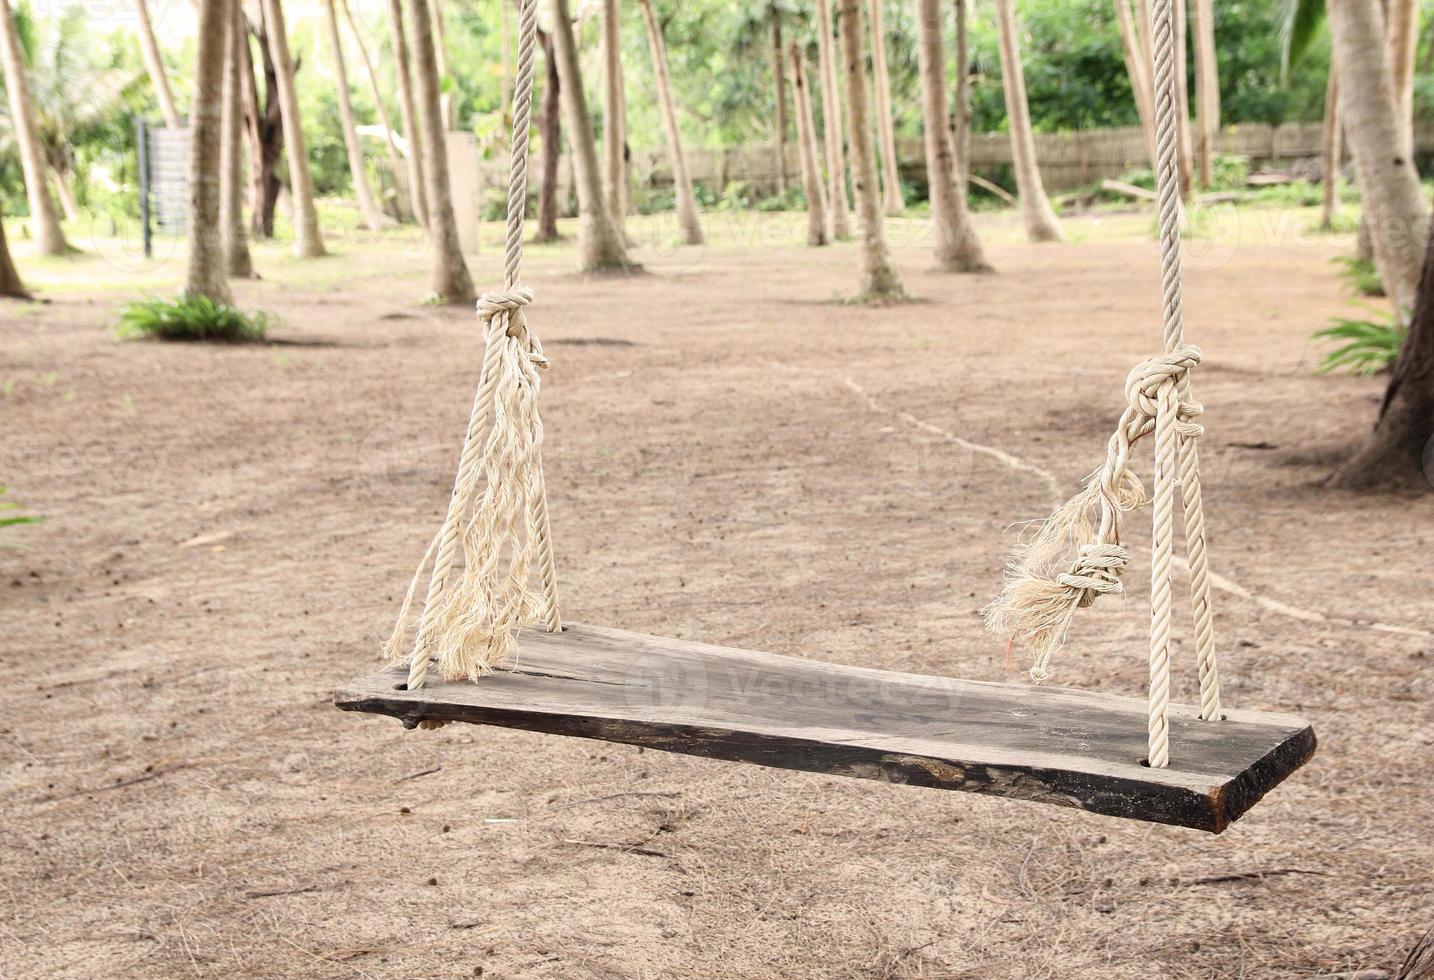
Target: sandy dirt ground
[732, 456]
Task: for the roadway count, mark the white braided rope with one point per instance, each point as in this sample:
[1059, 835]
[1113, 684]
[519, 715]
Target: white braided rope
[498, 512]
[1036, 606]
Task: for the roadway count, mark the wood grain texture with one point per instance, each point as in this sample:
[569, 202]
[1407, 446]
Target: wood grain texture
[1043, 744]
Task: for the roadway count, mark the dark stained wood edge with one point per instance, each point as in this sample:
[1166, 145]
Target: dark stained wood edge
[1107, 794]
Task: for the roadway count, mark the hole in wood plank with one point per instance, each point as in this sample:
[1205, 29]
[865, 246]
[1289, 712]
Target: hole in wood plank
[401, 687]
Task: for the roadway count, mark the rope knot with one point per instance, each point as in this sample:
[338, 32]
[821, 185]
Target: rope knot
[511, 302]
[1096, 571]
[1143, 384]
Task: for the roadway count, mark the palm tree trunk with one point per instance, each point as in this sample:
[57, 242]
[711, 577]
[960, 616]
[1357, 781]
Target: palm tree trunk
[1402, 33]
[779, 93]
[612, 114]
[807, 151]
[266, 131]
[395, 159]
[1040, 220]
[1207, 87]
[448, 276]
[237, 261]
[550, 133]
[68, 204]
[154, 64]
[957, 247]
[1185, 144]
[308, 240]
[832, 123]
[440, 58]
[10, 284]
[373, 217]
[1137, 66]
[206, 272]
[1397, 454]
[1388, 182]
[886, 126]
[687, 219]
[878, 276]
[600, 242]
[45, 223]
[961, 118]
[408, 112]
[1330, 153]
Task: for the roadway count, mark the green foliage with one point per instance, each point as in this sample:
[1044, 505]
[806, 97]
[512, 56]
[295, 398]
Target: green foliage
[1361, 275]
[10, 519]
[1229, 172]
[1367, 346]
[191, 318]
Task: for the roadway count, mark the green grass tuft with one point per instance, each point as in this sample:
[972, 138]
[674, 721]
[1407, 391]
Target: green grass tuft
[11, 521]
[1362, 276]
[191, 318]
[1366, 346]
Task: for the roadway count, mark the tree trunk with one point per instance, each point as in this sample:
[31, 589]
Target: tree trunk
[832, 123]
[68, 204]
[600, 243]
[408, 113]
[1040, 220]
[1330, 153]
[1207, 87]
[404, 205]
[448, 277]
[154, 64]
[1388, 182]
[961, 128]
[687, 219]
[613, 137]
[886, 127]
[308, 240]
[1400, 450]
[957, 247]
[1137, 67]
[878, 276]
[373, 217]
[779, 93]
[1402, 36]
[440, 58]
[10, 284]
[237, 262]
[44, 222]
[1184, 144]
[550, 132]
[807, 151]
[266, 133]
[206, 273]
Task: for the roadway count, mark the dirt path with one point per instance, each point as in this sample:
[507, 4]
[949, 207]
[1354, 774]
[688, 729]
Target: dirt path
[732, 457]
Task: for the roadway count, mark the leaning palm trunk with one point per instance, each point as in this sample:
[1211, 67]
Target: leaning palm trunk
[372, 214]
[1207, 87]
[961, 117]
[957, 247]
[612, 115]
[1040, 219]
[308, 240]
[404, 208]
[886, 127]
[154, 65]
[408, 112]
[206, 274]
[779, 93]
[69, 204]
[687, 219]
[807, 150]
[832, 123]
[237, 261]
[45, 223]
[1402, 37]
[600, 242]
[878, 276]
[1394, 204]
[448, 277]
[1330, 152]
[10, 283]
[1137, 68]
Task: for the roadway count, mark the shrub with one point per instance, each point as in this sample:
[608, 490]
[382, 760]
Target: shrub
[1361, 275]
[1367, 346]
[191, 318]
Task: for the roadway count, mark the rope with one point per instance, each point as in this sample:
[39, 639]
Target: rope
[1036, 606]
[498, 512]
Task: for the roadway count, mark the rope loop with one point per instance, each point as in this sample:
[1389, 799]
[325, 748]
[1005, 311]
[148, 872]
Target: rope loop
[1096, 571]
[1143, 384]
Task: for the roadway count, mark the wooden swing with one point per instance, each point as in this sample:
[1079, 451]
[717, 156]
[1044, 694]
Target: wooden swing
[1097, 752]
